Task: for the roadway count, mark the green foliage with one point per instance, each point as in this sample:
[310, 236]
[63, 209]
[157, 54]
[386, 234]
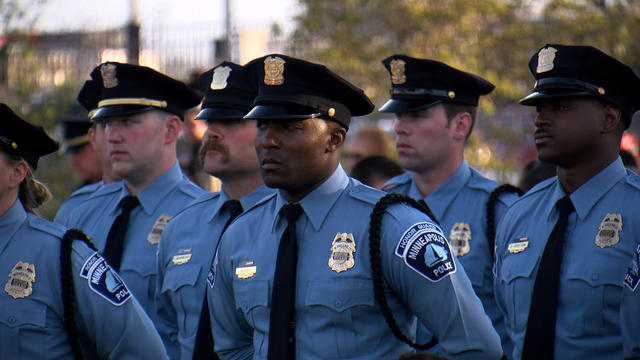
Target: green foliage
[493, 38]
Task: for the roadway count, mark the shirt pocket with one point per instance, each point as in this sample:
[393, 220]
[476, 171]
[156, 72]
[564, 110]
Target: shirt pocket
[180, 283]
[252, 298]
[517, 279]
[333, 309]
[21, 322]
[592, 297]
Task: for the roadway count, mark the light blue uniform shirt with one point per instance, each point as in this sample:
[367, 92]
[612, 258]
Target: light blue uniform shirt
[461, 201]
[77, 198]
[31, 311]
[630, 308]
[159, 202]
[336, 314]
[185, 255]
[600, 243]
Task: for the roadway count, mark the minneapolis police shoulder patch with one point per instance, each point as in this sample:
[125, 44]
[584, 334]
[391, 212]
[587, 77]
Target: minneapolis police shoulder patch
[105, 282]
[428, 253]
[632, 278]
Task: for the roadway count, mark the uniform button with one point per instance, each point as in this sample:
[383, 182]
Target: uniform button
[12, 319]
[338, 303]
[595, 276]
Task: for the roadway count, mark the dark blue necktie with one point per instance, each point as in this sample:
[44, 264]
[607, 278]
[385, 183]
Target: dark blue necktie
[539, 339]
[203, 347]
[115, 239]
[282, 345]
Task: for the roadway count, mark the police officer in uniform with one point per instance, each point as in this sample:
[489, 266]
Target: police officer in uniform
[141, 111]
[293, 277]
[88, 97]
[83, 158]
[106, 321]
[189, 242]
[563, 250]
[435, 107]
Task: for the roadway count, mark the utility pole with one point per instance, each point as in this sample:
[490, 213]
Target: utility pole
[222, 46]
[132, 33]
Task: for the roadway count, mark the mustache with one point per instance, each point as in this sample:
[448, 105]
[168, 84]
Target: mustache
[211, 145]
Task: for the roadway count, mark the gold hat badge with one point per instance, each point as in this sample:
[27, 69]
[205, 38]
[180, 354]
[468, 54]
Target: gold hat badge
[109, 78]
[274, 70]
[545, 59]
[220, 76]
[397, 72]
[21, 279]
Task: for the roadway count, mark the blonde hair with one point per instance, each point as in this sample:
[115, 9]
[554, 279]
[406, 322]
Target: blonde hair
[32, 193]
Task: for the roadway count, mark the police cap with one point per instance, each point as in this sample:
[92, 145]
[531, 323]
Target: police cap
[290, 88]
[128, 89]
[75, 125]
[20, 138]
[89, 96]
[570, 70]
[228, 93]
[417, 84]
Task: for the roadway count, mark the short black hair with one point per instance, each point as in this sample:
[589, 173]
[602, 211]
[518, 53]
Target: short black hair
[374, 168]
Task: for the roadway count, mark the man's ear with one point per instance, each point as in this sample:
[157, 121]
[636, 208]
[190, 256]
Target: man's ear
[612, 119]
[337, 136]
[461, 124]
[173, 124]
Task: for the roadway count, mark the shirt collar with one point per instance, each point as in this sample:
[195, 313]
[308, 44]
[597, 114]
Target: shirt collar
[589, 193]
[151, 195]
[440, 199]
[10, 222]
[317, 204]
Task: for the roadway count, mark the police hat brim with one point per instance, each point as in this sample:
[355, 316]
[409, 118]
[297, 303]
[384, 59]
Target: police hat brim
[120, 110]
[270, 112]
[535, 97]
[406, 105]
[219, 113]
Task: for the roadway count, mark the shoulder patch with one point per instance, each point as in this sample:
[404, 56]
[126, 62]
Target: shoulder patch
[47, 226]
[632, 278]
[427, 252]
[103, 281]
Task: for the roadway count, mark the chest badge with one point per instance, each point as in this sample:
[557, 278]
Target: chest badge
[608, 231]
[460, 238]
[182, 258]
[246, 270]
[518, 246]
[156, 230]
[342, 249]
[21, 279]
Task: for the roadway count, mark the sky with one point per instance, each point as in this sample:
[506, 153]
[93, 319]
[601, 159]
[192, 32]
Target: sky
[61, 15]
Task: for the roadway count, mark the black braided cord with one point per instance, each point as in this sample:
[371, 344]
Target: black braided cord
[66, 275]
[491, 212]
[376, 262]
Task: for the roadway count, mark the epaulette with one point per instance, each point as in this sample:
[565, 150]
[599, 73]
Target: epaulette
[397, 181]
[633, 179]
[480, 182]
[190, 188]
[48, 227]
[364, 193]
[262, 201]
[87, 189]
[107, 189]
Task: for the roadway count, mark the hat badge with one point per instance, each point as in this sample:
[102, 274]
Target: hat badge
[397, 72]
[109, 79]
[274, 70]
[545, 59]
[220, 76]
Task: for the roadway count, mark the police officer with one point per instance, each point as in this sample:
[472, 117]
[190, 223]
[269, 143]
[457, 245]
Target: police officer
[563, 250]
[189, 242]
[107, 322]
[293, 275]
[435, 107]
[88, 97]
[140, 109]
[82, 156]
